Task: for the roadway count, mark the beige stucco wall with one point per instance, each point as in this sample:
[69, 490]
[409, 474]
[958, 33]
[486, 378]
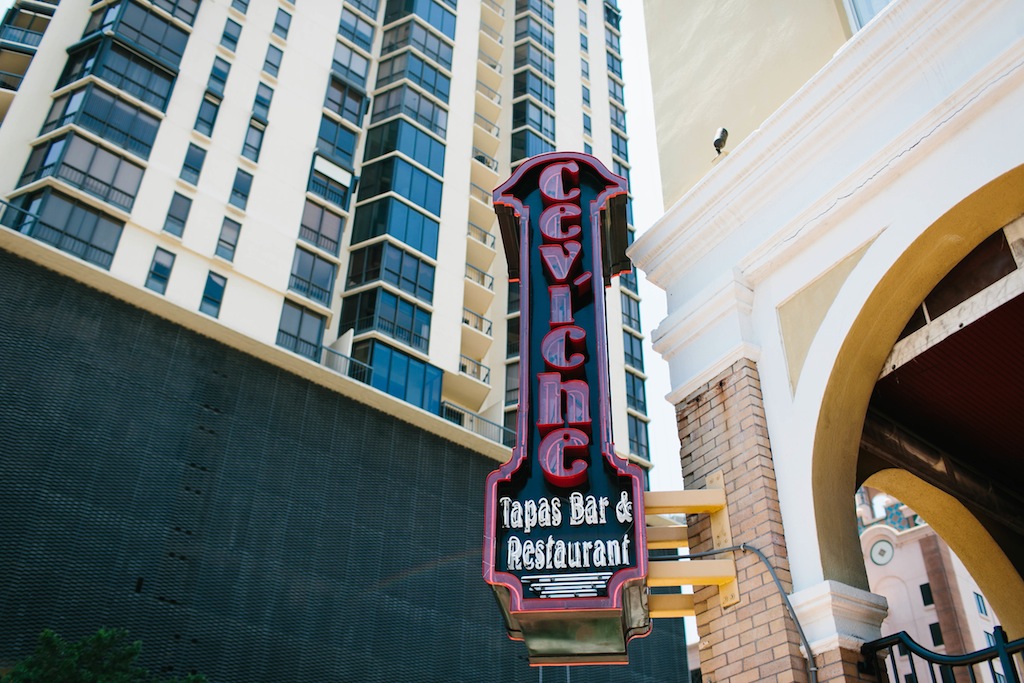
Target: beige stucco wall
[708, 71]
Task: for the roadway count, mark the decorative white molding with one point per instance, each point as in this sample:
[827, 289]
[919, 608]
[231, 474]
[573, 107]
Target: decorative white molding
[834, 615]
[713, 369]
[807, 131]
[716, 303]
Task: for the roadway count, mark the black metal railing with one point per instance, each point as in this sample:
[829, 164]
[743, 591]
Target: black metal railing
[906, 660]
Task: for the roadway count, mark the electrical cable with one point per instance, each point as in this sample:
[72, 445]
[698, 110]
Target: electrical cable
[812, 670]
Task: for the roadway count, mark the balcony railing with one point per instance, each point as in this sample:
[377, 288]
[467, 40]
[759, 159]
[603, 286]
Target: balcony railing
[10, 81]
[83, 181]
[477, 425]
[495, 7]
[393, 330]
[480, 193]
[477, 321]
[474, 369]
[308, 289]
[349, 367]
[487, 160]
[480, 277]
[491, 32]
[23, 36]
[489, 61]
[480, 235]
[488, 92]
[487, 125]
[905, 659]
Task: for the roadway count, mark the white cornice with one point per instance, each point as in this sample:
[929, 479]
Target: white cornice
[833, 615]
[870, 69]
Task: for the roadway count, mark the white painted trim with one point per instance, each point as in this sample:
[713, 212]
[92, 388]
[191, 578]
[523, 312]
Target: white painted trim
[833, 615]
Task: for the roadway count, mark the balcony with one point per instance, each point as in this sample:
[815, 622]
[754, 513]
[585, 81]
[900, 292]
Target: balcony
[480, 210]
[409, 337]
[480, 247]
[470, 385]
[483, 173]
[486, 134]
[476, 334]
[492, 13]
[488, 101]
[479, 289]
[478, 425]
[488, 70]
[21, 36]
[491, 38]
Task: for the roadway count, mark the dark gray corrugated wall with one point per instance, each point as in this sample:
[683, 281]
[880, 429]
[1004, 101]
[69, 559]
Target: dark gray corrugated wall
[240, 520]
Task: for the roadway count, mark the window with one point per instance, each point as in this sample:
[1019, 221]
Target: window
[345, 101]
[392, 217]
[213, 294]
[618, 117]
[638, 436]
[614, 64]
[936, 632]
[181, 9]
[87, 166]
[615, 91]
[253, 140]
[990, 639]
[240, 189]
[386, 262]
[272, 62]
[193, 164]
[409, 65]
[430, 11]
[620, 146]
[538, 7]
[531, 27]
[512, 384]
[628, 280]
[583, 17]
[398, 175]
[926, 588]
[587, 125]
[160, 271]
[526, 143]
[636, 394]
[401, 375]
[240, 5]
[528, 54]
[336, 142]
[218, 76]
[356, 29]
[350, 65]
[631, 312]
[586, 96]
[379, 310]
[584, 43]
[910, 678]
[331, 189]
[513, 297]
[979, 602]
[228, 239]
[321, 227]
[612, 40]
[530, 83]
[585, 68]
[177, 214]
[123, 69]
[282, 23]
[512, 337]
[67, 225]
[261, 105]
[232, 32]
[633, 350]
[404, 137]
[147, 30]
[406, 100]
[207, 116]
[527, 113]
[419, 37]
[312, 276]
[113, 119]
[301, 330]
[588, 148]
[367, 7]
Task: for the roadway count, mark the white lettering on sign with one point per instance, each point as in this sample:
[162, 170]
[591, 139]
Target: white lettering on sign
[556, 553]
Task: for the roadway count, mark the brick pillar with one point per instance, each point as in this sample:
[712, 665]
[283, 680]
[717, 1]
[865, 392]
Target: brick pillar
[722, 427]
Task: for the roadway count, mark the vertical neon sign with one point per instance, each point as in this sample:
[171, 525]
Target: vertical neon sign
[564, 542]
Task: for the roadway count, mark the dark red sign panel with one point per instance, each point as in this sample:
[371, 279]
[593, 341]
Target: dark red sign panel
[564, 543]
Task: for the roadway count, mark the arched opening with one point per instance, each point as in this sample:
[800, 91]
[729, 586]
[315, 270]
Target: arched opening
[975, 374]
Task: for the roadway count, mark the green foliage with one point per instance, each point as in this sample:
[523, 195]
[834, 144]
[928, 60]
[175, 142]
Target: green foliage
[107, 656]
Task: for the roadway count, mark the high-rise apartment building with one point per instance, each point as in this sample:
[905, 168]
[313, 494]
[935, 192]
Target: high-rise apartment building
[317, 175]
[257, 327]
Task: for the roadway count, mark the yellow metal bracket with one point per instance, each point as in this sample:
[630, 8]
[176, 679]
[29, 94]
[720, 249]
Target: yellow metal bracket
[662, 533]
